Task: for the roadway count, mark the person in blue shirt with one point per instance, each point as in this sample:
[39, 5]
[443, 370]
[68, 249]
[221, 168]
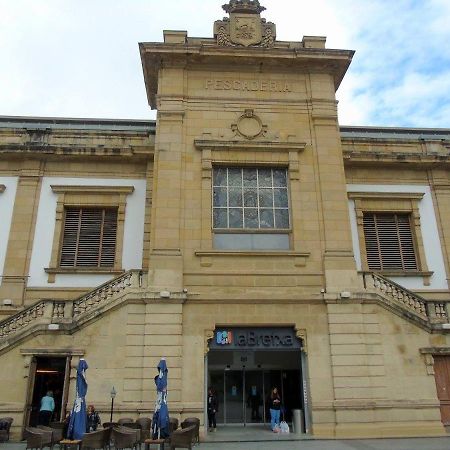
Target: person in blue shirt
[47, 408]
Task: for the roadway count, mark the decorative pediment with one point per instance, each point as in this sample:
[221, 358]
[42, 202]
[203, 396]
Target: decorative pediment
[244, 27]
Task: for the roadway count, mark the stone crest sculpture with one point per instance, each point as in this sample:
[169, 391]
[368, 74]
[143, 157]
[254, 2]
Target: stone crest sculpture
[249, 125]
[244, 27]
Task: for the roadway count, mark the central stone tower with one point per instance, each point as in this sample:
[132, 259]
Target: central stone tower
[243, 97]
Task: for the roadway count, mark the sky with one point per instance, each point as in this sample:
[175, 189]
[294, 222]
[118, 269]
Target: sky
[80, 58]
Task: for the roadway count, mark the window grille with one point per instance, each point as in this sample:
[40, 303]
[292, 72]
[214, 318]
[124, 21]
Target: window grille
[89, 237]
[389, 242]
[250, 198]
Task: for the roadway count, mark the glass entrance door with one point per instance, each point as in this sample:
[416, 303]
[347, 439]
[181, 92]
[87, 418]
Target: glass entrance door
[234, 396]
[254, 396]
[243, 395]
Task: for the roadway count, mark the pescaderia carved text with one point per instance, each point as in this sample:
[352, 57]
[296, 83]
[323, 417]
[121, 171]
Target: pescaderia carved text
[250, 85]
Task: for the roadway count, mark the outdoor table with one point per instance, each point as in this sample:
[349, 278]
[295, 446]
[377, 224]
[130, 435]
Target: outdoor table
[159, 442]
[67, 443]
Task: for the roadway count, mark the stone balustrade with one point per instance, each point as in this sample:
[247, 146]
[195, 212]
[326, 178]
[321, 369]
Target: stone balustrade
[432, 312]
[56, 311]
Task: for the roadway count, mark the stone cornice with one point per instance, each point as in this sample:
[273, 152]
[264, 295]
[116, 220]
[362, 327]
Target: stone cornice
[376, 158]
[110, 190]
[154, 56]
[268, 146]
[75, 150]
[52, 352]
[386, 195]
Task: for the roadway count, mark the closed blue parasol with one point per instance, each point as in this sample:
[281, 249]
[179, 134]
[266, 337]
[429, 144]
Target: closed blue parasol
[160, 422]
[77, 424]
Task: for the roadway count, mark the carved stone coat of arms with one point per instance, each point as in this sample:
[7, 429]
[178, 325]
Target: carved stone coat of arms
[245, 29]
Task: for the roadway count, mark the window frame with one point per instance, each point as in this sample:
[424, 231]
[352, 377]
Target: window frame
[392, 203]
[266, 153]
[258, 230]
[380, 235]
[81, 215]
[87, 197]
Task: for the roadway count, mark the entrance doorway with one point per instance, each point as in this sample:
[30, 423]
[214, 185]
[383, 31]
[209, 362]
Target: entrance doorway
[244, 394]
[47, 374]
[442, 377]
[243, 364]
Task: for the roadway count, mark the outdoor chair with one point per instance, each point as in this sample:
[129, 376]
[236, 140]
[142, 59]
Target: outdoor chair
[125, 420]
[183, 438]
[57, 434]
[131, 429]
[96, 439]
[110, 424]
[173, 425]
[124, 439]
[38, 438]
[146, 425]
[137, 427]
[193, 421]
[5, 426]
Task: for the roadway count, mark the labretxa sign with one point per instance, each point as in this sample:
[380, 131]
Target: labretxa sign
[256, 338]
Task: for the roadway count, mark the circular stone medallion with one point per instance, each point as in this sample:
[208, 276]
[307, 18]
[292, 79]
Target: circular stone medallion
[249, 126]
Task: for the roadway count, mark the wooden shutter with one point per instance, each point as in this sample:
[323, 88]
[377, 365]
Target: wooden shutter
[89, 238]
[442, 378]
[389, 242]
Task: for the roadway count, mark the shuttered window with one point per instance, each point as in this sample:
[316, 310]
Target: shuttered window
[389, 242]
[89, 238]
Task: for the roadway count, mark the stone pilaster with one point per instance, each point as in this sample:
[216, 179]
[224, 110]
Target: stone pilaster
[21, 235]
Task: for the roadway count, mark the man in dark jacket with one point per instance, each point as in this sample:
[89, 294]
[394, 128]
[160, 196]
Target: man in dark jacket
[213, 407]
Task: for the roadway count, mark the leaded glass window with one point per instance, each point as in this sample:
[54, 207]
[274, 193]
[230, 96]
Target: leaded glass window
[250, 198]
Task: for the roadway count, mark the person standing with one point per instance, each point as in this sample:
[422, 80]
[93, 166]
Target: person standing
[213, 406]
[93, 419]
[46, 409]
[275, 407]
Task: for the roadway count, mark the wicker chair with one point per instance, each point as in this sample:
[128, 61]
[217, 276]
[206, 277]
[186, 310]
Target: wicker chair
[6, 423]
[183, 438]
[38, 438]
[146, 425]
[173, 425]
[57, 434]
[133, 426]
[193, 421]
[123, 439]
[96, 439]
[125, 420]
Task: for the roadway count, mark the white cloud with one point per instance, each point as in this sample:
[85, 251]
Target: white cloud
[80, 57]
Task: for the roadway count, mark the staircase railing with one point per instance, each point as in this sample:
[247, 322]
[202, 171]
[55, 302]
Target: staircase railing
[431, 311]
[57, 311]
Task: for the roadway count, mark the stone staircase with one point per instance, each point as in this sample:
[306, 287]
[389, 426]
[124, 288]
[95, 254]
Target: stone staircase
[54, 315]
[431, 315]
[66, 316]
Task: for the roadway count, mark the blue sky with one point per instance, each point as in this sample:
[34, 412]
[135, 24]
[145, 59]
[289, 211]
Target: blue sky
[80, 58]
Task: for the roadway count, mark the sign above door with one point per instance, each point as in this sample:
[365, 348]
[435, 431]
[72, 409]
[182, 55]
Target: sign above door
[250, 338]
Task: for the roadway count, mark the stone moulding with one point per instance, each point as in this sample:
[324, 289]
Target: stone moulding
[373, 157]
[52, 352]
[208, 336]
[428, 354]
[262, 146]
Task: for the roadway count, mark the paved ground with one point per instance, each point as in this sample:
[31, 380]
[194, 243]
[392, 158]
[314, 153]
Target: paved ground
[366, 444]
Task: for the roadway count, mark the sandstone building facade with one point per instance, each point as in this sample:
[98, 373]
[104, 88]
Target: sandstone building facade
[244, 235]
